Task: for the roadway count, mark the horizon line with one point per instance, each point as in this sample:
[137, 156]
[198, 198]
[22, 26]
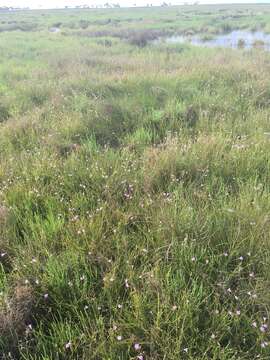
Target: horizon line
[97, 6]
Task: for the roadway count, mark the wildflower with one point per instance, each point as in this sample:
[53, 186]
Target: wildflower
[238, 312]
[213, 336]
[68, 345]
[119, 337]
[114, 327]
[140, 357]
[264, 344]
[185, 350]
[263, 328]
[126, 283]
[46, 296]
[119, 306]
[193, 259]
[254, 324]
[252, 275]
[137, 347]
[225, 254]
[241, 258]
[26, 282]
[174, 307]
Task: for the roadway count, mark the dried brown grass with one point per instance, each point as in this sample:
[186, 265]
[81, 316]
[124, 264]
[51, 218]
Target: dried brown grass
[15, 314]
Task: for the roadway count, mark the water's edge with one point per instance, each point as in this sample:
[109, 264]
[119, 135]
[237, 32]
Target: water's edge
[235, 39]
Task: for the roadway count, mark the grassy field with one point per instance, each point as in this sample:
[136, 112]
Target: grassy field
[134, 186]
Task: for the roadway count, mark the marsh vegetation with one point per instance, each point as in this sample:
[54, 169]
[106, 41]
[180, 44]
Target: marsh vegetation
[134, 186]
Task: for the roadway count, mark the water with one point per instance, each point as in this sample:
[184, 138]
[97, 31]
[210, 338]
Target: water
[55, 30]
[235, 39]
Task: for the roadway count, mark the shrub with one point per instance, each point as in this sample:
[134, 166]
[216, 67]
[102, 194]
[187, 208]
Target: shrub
[241, 43]
[226, 28]
[84, 24]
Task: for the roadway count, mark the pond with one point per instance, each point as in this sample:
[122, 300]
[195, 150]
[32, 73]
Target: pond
[235, 39]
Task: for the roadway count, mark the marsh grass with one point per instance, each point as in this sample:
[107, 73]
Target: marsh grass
[134, 190]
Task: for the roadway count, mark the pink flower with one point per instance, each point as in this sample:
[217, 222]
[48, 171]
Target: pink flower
[137, 347]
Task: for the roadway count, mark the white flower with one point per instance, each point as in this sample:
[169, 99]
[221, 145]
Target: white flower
[137, 347]
[263, 328]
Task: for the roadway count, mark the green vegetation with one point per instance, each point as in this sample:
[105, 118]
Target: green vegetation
[134, 187]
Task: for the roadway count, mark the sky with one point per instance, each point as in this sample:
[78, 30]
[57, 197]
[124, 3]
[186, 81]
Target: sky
[62, 3]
